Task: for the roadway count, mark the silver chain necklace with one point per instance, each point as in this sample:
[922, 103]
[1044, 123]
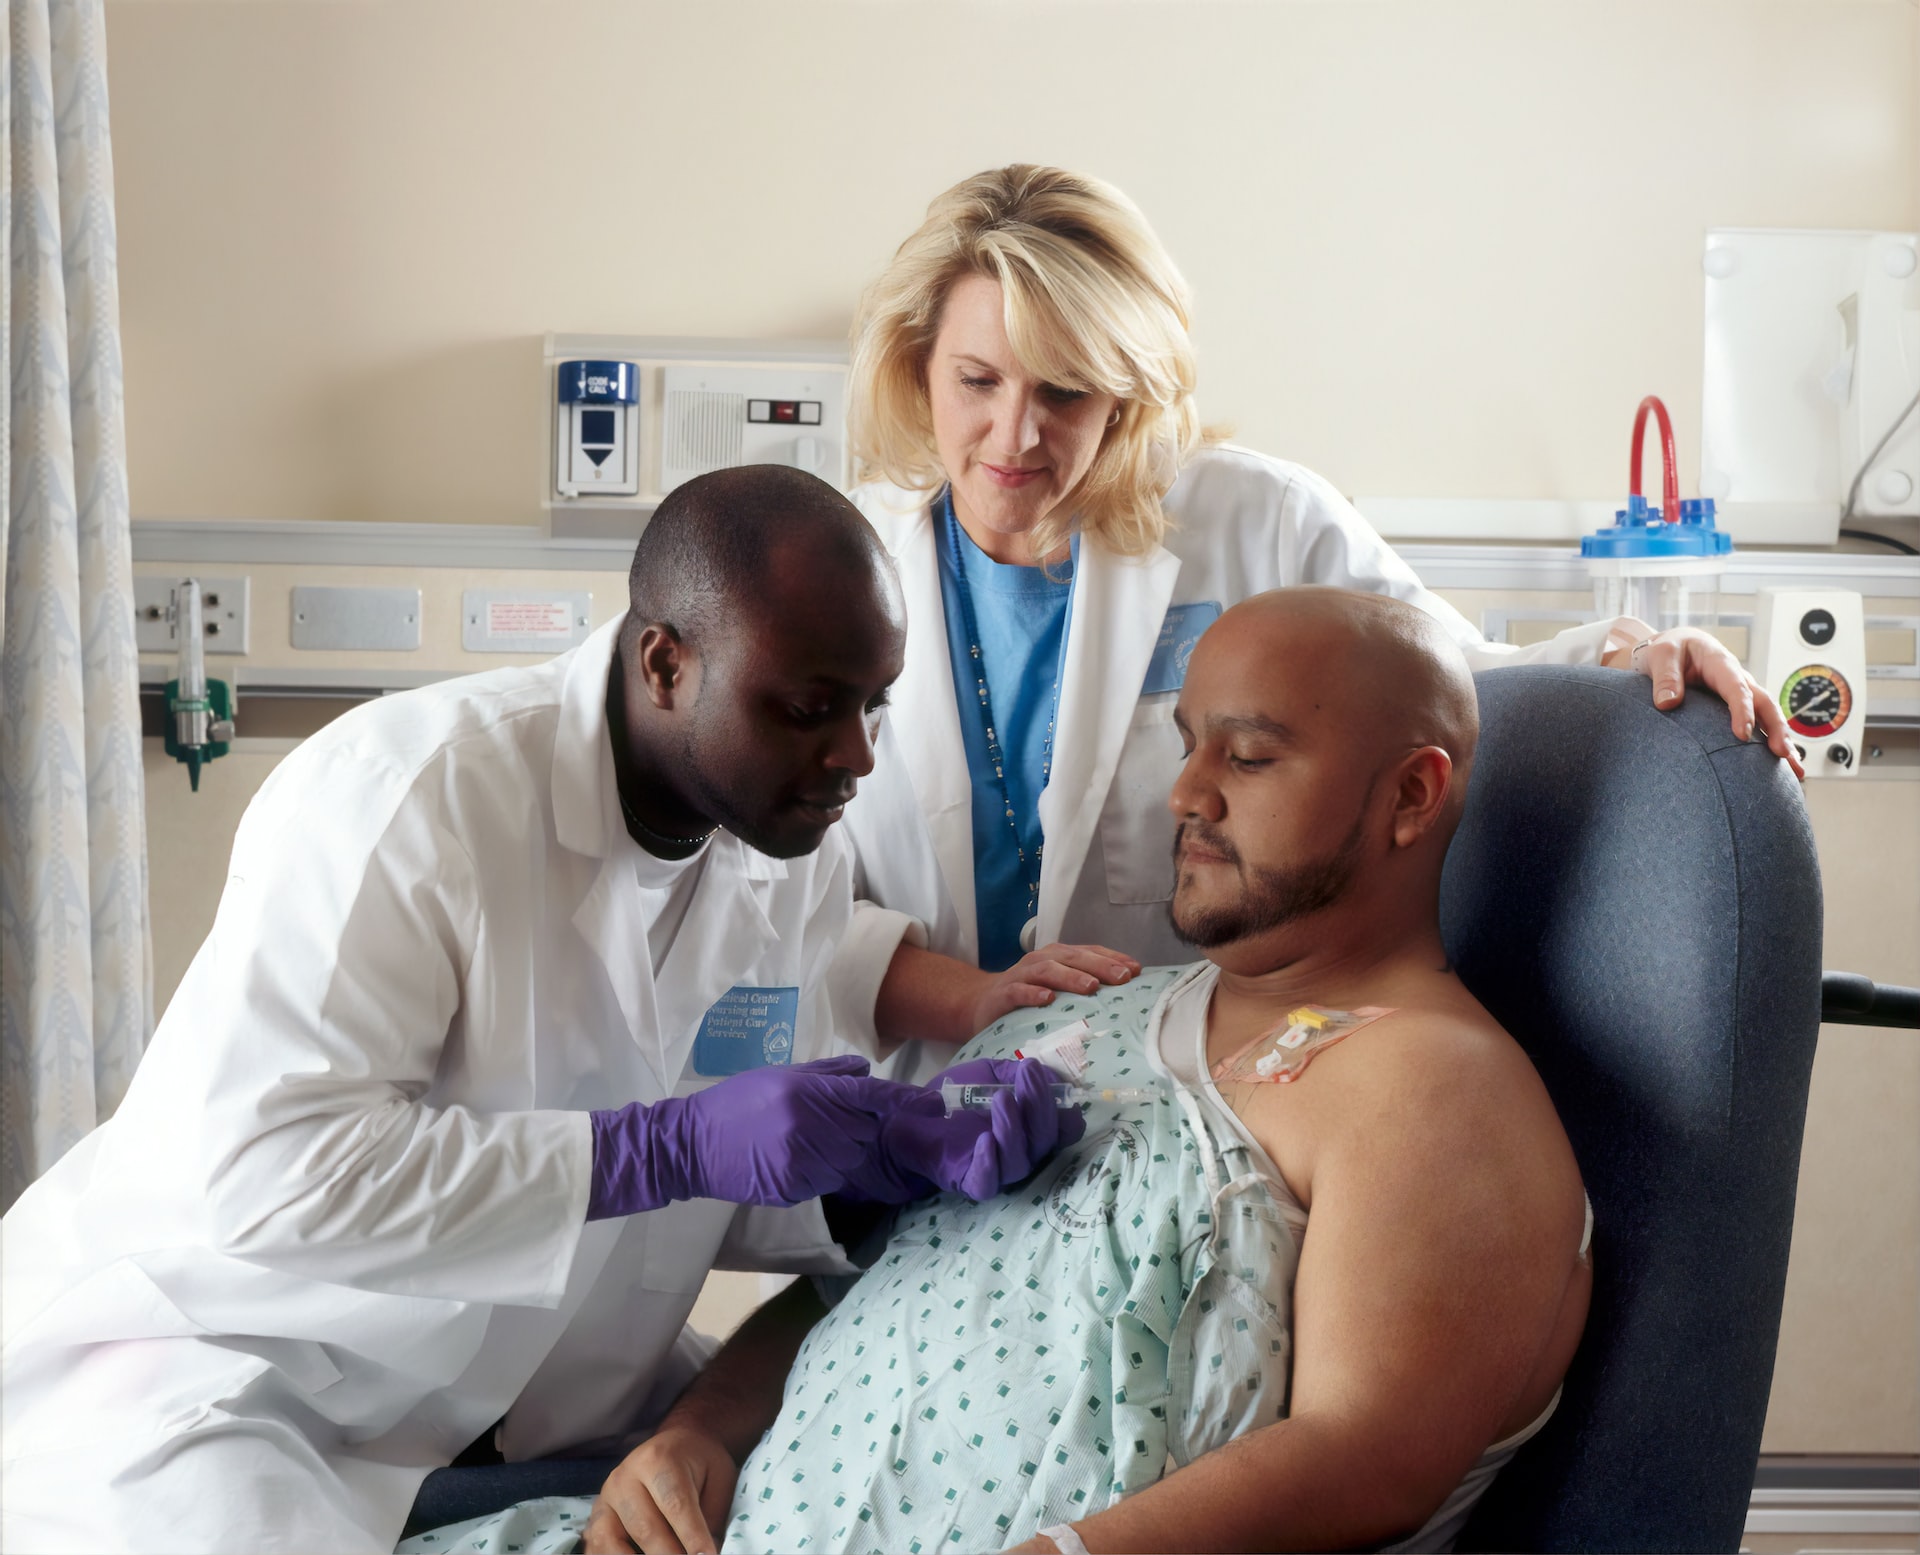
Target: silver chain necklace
[662, 838]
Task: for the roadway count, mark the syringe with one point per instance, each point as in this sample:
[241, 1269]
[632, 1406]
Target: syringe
[979, 1098]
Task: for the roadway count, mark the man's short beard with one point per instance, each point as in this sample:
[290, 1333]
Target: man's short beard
[1272, 897]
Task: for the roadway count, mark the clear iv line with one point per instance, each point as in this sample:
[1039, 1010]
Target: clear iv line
[979, 1098]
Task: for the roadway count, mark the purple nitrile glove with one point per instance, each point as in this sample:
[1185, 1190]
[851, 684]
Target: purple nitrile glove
[921, 1149]
[779, 1135]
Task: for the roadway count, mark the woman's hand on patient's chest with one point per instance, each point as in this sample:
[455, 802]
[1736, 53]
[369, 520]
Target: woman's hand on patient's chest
[665, 1498]
[1039, 974]
[926, 996]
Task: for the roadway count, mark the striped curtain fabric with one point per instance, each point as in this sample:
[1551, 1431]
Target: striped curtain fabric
[76, 983]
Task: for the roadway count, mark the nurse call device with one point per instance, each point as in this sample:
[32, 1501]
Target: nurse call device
[1809, 650]
[597, 433]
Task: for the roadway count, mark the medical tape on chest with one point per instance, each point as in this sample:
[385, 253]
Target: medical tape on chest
[1063, 1051]
[1281, 1054]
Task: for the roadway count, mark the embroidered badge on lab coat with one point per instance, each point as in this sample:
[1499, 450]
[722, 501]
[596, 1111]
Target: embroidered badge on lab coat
[1180, 629]
[747, 1028]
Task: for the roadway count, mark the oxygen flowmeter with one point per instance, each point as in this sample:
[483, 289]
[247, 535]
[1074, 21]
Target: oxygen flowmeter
[199, 723]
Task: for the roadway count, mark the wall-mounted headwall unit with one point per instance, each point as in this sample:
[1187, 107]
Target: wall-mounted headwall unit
[634, 416]
[488, 592]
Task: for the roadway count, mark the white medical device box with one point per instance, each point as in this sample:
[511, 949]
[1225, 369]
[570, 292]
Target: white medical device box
[1809, 649]
[1812, 353]
[697, 405]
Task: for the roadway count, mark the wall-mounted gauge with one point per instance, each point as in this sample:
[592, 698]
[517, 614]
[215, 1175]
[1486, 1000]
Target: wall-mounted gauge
[1816, 700]
[1828, 703]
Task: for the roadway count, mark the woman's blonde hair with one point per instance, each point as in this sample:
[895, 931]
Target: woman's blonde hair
[1092, 302]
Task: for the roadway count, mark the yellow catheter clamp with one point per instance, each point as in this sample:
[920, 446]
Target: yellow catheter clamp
[1307, 1015]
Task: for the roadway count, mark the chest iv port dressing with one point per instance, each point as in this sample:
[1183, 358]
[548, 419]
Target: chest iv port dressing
[1278, 1056]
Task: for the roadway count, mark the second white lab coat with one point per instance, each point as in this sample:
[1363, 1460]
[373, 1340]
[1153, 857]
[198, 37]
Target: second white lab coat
[1241, 523]
[337, 1229]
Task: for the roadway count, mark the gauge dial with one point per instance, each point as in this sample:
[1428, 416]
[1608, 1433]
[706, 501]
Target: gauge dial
[1817, 700]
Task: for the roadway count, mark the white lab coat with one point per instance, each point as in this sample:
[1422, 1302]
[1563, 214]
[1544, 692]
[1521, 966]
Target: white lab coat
[1242, 523]
[337, 1228]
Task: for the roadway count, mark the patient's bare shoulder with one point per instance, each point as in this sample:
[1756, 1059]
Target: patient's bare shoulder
[1445, 1207]
[1434, 1086]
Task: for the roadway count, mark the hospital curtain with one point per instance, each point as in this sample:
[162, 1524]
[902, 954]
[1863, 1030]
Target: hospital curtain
[76, 983]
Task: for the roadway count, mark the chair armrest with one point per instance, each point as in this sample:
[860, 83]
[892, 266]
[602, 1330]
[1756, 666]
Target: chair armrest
[1848, 999]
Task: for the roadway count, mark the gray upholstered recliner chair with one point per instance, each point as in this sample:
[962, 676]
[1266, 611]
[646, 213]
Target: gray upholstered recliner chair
[1634, 895]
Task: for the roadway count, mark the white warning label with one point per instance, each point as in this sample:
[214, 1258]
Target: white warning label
[523, 620]
[530, 618]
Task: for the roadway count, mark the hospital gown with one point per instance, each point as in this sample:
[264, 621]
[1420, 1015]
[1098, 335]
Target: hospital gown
[1030, 1360]
[1005, 1366]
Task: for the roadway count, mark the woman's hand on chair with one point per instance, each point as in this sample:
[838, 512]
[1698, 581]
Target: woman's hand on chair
[665, 1498]
[1685, 656]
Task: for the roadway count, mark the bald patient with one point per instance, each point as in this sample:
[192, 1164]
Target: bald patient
[1311, 1292]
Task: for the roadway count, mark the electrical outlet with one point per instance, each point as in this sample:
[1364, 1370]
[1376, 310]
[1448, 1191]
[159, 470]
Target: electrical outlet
[223, 611]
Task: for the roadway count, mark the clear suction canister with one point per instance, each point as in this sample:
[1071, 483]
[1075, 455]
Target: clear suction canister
[1661, 565]
[1664, 574]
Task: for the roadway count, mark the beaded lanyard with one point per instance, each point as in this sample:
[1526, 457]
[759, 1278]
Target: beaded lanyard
[994, 755]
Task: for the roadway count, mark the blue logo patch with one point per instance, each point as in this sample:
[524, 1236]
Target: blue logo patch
[1180, 630]
[747, 1028]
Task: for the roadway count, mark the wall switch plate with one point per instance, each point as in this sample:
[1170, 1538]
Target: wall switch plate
[356, 619]
[223, 612]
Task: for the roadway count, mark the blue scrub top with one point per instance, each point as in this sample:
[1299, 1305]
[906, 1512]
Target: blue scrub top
[1022, 616]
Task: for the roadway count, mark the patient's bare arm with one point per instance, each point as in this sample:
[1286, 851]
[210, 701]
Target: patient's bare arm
[673, 1490]
[1439, 1295]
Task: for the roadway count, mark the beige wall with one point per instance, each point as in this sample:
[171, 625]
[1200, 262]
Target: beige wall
[1440, 247]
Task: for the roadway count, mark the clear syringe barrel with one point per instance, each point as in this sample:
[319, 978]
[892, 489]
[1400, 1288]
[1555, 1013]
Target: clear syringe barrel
[979, 1098]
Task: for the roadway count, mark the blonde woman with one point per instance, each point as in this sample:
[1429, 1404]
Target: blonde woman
[1023, 417]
